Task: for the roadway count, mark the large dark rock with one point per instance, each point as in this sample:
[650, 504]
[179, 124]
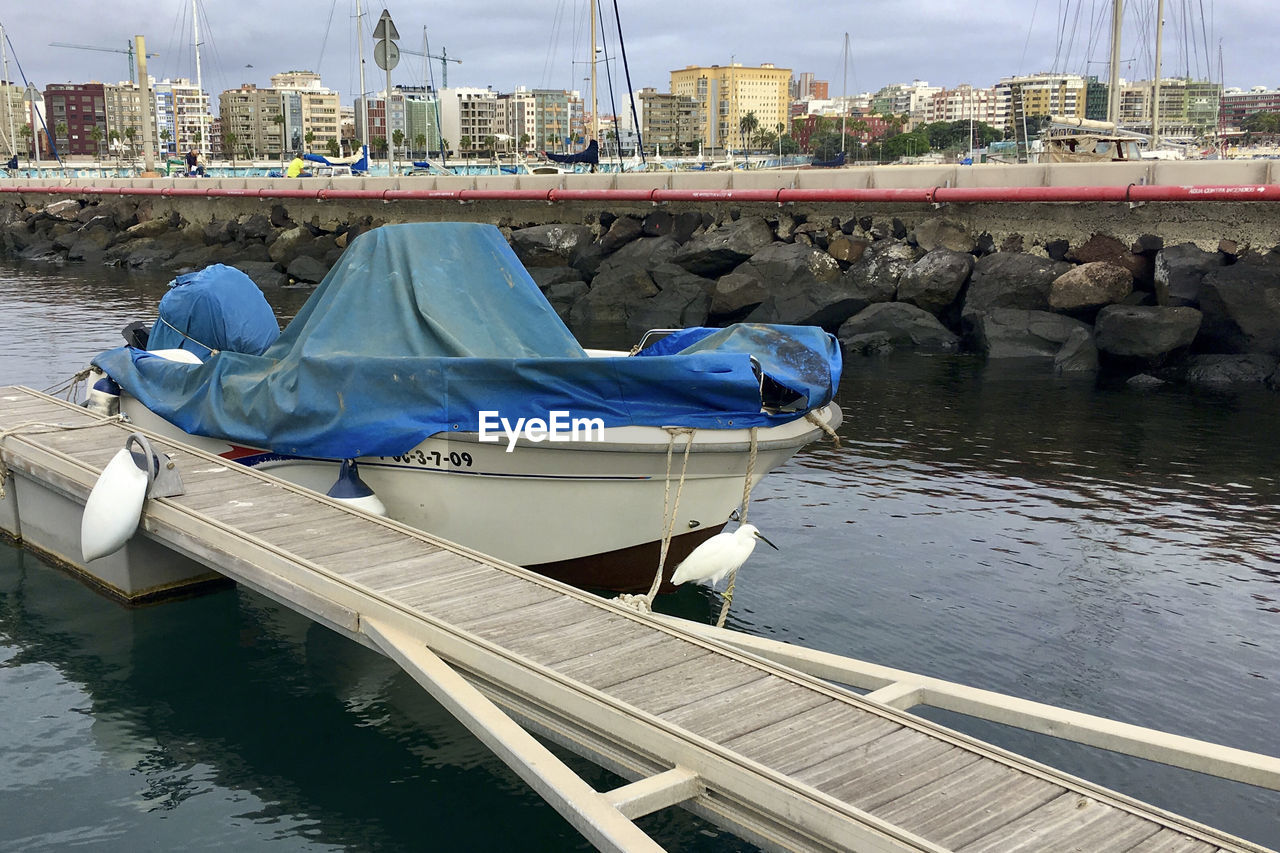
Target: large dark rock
[67, 210]
[254, 226]
[147, 228]
[1241, 305]
[847, 249]
[549, 245]
[646, 254]
[563, 294]
[1180, 270]
[806, 288]
[686, 225]
[943, 233]
[935, 281]
[1012, 280]
[1100, 247]
[1090, 286]
[1078, 353]
[1225, 370]
[195, 258]
[614, 295]
[658, 223]
[1020, 333]
[881, 266]
[718, 251]
[544, 277]
[219, 232]
[308, 269]
[264, 273]
[906, 325]
[1145, 333]
[623, 230]
[738, 292]
[682, 300]
[290, 244]
[90, 246]
[783, 266]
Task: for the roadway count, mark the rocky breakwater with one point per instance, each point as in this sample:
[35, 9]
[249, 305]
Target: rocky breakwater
[269, 246]
[1145, 312]
[1142, 311]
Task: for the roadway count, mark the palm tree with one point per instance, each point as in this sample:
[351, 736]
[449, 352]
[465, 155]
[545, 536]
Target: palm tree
[96, 136]
[229, 141]
[129, 133]
[332, 147]
[747, 126]
[421, 141]
[397, 136]
[465, 144]
[491, 143]
[61, 130]
[525, 141]
[309, 138]
[165, 136]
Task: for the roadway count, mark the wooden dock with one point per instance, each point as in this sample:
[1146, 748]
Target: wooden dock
[782, 759]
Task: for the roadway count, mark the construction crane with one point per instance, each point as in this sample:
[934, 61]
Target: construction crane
[128, 52]
[443, 57]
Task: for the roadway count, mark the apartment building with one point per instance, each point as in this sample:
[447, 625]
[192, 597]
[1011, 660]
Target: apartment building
[905, 99]
[964, 103]
[74, 111]
[1239, 104]
[1187, 107]
[255, 118]
[126, 118]
[182, 109]
[1037, 95]
[667, 122]
[725, 94]
[468, 116]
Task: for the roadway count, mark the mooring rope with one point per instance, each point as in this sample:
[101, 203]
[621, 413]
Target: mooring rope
[742, 517]
[67, 390]
[644, 603]
[29, 428]
[822, 425]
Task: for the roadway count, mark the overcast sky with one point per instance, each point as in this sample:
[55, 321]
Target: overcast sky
[542, 43]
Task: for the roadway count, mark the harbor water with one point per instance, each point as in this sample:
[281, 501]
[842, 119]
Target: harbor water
[1096, 548]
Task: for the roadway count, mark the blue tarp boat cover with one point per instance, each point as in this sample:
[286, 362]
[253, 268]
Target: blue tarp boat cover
[420, 327]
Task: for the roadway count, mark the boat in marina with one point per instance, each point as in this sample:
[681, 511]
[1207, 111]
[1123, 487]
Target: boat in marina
[409, 356]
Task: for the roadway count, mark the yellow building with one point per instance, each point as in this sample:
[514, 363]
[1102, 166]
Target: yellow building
[724, 94]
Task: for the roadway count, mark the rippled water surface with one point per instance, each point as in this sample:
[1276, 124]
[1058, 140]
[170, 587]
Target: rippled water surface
[1102, 550]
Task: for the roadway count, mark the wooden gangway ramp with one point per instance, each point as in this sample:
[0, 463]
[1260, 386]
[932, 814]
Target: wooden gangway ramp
[782, 759]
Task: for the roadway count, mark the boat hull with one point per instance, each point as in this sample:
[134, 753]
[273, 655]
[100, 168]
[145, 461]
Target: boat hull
[590, 513]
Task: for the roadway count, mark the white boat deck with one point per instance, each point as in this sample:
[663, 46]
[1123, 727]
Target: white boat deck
[785, 760]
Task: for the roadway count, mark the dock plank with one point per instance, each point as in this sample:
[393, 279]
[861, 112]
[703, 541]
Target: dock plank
[439, 564]
[961, 807]
[401, 547]
[736, 712]
[664, 653]
[1168, 841]
[1069, 822]
[808, 736]
[694, 679]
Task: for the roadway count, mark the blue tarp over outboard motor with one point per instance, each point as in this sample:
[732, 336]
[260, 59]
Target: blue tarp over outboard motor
[218, 308]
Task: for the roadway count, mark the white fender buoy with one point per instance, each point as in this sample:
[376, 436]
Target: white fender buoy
[114, 506]
[352, 491]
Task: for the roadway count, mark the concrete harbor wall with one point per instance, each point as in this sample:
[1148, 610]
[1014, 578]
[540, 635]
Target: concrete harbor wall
[1185, 290]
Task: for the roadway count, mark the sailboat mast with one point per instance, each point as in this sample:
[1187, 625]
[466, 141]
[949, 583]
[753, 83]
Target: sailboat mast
[1113, 87]
[195, 35]
[844, 95]
[364, 92]
[8, 93]
[595, 122]
[1155, 89]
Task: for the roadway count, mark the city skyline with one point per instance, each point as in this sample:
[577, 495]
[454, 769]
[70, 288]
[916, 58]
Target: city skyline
[506, 47]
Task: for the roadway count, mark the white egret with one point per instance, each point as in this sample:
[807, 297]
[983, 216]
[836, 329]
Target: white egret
[719, 555]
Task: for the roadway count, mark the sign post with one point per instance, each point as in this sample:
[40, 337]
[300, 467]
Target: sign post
[387, 55]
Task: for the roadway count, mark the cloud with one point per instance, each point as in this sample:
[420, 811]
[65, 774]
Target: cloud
[543, 43]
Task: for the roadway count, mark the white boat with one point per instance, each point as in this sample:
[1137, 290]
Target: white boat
[582, 502]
